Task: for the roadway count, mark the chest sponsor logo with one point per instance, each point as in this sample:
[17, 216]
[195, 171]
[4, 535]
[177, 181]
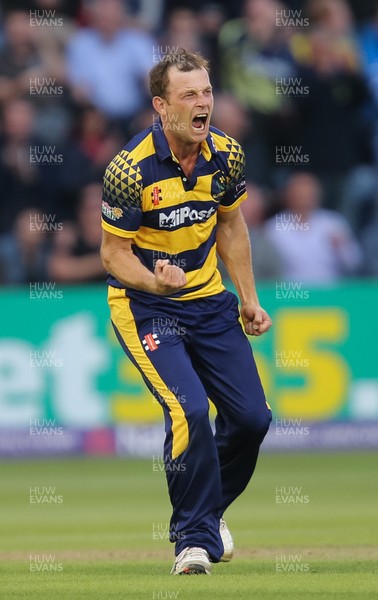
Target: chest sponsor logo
[183, 215]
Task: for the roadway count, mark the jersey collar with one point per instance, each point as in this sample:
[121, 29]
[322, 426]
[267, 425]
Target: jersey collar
[163, 150]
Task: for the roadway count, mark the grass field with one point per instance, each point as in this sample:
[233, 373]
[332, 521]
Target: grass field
[306, 528]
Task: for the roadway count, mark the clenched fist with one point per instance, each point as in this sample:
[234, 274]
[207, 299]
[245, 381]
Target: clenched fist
[169, 278]
[256, 320]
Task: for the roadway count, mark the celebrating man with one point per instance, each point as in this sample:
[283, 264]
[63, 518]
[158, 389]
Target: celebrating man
[170, 203]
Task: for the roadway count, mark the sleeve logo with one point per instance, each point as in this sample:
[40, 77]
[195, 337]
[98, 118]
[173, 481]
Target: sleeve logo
[240, 188]
[112, 212]
[218, 185]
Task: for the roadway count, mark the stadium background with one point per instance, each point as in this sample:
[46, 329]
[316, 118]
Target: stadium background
[296, 84]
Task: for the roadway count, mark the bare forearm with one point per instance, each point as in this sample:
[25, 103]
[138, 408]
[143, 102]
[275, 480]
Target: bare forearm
[127, 268]
[234, 248]
[118, 258]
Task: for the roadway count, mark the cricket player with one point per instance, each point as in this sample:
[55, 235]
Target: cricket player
[170, 204]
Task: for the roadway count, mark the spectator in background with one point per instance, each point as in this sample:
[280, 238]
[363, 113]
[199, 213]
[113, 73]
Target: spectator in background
[335, 18]
[75, 257]
[67, 8]
[360, 198]
[332, 123]
[51, 40]
[49, 88]
[98, 141]
[24, 251]
[196, 30]
[369, 49]
[266, 258]
[19, 59]
[108, 63]
[147, 14]
[20, 178]
[182, 31]
[145, 118]
[315, 245]
[369, 242]
[331, 127]
[211, 18]
[229, 114]
[255, 54]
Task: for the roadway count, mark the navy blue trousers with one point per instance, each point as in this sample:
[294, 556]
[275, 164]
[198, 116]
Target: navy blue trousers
[188, 352]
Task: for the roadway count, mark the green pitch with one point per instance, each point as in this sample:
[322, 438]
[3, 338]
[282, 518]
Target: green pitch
[307, 527]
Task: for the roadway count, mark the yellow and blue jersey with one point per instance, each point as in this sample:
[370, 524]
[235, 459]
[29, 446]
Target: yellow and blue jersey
[148, 198]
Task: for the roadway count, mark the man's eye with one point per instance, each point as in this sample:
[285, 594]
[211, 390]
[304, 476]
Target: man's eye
[189, 95]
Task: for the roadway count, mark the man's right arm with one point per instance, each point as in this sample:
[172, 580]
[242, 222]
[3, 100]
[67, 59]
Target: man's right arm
[119, 260]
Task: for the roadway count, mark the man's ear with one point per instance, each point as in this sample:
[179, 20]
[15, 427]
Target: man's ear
[159, 105]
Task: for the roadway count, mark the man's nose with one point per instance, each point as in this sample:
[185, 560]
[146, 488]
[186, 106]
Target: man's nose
[202, 100]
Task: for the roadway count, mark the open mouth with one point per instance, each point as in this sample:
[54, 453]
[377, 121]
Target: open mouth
[199, 122]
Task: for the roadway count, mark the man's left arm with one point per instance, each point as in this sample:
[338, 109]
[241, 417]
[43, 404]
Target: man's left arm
[234, 249]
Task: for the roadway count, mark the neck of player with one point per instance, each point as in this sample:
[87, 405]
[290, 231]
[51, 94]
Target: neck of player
[186, 152]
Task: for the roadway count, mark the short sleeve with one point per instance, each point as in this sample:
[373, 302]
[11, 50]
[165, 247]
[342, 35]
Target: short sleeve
[235, 183]
[122, 196]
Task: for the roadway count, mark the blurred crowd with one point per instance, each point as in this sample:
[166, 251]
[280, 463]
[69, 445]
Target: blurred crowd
[296, 83]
